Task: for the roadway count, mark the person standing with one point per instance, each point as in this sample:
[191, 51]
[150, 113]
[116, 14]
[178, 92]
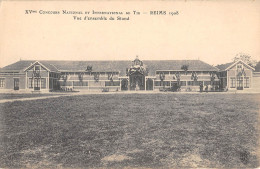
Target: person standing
[207, 88]
[201, 87]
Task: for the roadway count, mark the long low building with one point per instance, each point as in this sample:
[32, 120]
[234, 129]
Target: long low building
[176, 75]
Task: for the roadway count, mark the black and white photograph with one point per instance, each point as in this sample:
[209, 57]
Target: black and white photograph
[130, 84]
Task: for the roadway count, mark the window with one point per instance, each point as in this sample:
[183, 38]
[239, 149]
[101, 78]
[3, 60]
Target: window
[162, 83]
[239, 66]
[37, 67]
[166, 83]
[157, 83]
[80, 83]
[246, 82]
[183, 83]
[232, 82]
[2, 82]
[30, 83]
[194, 83]
[43, 83]
[114, 83]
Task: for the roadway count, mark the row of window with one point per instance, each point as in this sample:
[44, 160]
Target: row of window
[54, 75]
[114, 83]
[186, 83]
[183, 72]
[239, 82]
[2, 82]
[90, 73]
[84, 83]
[39, 82]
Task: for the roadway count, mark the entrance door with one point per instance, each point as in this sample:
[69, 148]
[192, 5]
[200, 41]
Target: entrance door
[137, 81]
[16, 83]
[149, 84]
[36, 84]
[239, 83]
[124, 84]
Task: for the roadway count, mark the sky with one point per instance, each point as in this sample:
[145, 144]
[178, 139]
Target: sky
[212, 31]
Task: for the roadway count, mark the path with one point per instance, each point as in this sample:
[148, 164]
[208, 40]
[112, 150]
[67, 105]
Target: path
[31, 98]
[127, 92]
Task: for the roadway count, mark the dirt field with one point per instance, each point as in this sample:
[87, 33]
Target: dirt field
[131, 130]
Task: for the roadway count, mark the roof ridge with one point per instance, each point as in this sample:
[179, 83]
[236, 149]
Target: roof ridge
[110, 65]
[113, 60]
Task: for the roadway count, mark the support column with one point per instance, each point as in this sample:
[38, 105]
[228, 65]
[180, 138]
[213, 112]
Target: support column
[40, 83]
[120, 84]
[153, 84]
[26, 80]
[145, 83]
[48, 81]
[129, 83]
[33, 79]
[243, 82]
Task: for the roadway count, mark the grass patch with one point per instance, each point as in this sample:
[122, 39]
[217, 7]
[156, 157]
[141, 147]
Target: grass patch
[131, 130]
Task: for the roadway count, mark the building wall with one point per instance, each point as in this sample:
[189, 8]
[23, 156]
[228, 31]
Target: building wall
[9, 80]
[43, 79]
[54, 80]
[88, 82]
[187, 83]
[232, 77]
[256, 81]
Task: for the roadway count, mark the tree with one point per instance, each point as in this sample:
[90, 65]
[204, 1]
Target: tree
[96, 77]
[89, 69]
[185, 68]
[194, 76]
[245, 58]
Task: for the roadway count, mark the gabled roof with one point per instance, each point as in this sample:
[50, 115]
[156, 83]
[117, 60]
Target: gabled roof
[23, 64]
[227, 66]
[36, 63]
[108, 66]
[223, 67]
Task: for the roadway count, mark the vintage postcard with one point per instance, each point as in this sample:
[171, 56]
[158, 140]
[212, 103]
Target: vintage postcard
[129, 84]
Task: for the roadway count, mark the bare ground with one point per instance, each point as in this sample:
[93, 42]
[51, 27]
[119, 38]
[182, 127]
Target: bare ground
[131, 130]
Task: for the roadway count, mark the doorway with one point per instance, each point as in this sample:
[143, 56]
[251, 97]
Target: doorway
[124, 84]
[36, 84]
[149, 84]
[137, 81]
[16, 83]
[239, 83]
